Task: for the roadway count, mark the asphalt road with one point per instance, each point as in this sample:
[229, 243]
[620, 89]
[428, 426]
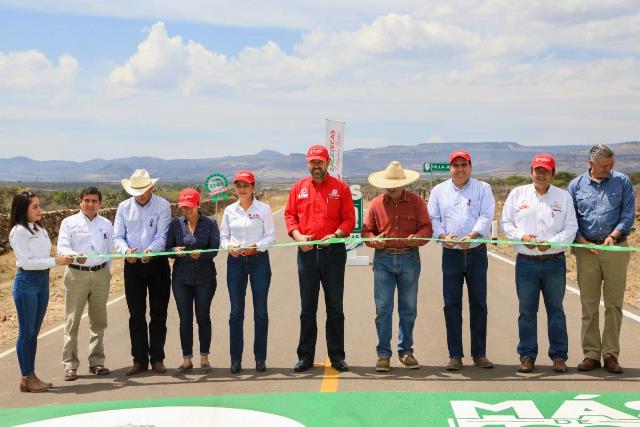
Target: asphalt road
[429, 335]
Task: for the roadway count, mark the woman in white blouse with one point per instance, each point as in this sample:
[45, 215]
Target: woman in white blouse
[32, 248]
[247, 230]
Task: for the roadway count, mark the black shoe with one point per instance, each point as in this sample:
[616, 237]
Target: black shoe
[340, 365]
[302, 365]
[260, 366]
[236, 367]
[181, 370]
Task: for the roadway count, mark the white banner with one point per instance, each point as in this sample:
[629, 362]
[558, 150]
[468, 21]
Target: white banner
[335, 145]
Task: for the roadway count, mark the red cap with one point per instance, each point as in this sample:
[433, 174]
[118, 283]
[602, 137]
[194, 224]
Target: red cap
[318, 152]
[189, 197]
[543, 160]
[245, 176]
[459, 153]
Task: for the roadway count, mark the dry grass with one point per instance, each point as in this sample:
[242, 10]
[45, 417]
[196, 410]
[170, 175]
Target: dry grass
[55, 311]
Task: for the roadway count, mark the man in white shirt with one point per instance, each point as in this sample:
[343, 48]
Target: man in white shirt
[536, 214]
[141, 226]
[86, 280]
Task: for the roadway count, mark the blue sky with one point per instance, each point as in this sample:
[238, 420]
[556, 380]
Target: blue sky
[115, 78]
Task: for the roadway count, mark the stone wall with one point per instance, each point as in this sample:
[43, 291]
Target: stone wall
[51, 220]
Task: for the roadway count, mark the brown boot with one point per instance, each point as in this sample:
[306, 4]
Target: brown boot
[49, 385]
[611, 364]
[31, 384]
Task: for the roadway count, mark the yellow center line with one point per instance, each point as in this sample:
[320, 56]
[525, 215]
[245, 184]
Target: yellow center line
[330, 378]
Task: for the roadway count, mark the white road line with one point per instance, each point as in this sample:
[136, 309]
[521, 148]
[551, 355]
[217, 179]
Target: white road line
[57, 328]
[571, 289]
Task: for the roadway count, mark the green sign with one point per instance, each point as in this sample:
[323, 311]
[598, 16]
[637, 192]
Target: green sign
[217, 185]
[436, 167]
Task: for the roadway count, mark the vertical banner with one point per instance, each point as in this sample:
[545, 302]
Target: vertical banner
[335, 145]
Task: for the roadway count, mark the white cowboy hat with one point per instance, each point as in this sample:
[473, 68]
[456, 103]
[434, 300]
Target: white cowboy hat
[139, 183]
[393, 176]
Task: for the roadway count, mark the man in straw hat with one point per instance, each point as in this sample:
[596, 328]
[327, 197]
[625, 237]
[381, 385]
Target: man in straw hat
[401, 214]
[320, 207]
[540, 212]
[141, 226]
[461, 209]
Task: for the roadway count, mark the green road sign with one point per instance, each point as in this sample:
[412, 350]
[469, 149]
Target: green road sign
[217, 185]
[436, 167]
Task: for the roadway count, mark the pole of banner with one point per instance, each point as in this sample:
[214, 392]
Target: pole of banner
[352, 257]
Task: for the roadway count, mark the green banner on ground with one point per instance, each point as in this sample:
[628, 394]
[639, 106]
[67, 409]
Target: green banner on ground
[348, 409]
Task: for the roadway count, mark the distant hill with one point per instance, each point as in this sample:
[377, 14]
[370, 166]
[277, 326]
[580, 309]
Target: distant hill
[489, 158]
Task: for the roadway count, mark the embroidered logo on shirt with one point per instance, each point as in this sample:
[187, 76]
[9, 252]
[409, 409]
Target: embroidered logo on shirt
[255, 216]
[303, 194]
[555, 209]
[151, 223]
[524, 205]
[334, 194]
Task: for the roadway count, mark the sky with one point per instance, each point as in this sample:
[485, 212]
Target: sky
[196, 79]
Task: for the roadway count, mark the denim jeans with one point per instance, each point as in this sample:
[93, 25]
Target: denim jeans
[549, 277]
[458, 267]
[324, 266]
[391, 271]
[200, 295]
[257, 269]
[31, 296]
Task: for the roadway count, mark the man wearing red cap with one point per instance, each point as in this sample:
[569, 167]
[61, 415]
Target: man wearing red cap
[540, 213]
[319, 208]
[461, 209]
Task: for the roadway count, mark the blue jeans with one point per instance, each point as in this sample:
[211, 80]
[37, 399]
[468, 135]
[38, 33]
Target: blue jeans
[186, 296]
[257, 269]
[549, 277]
[458, 267]
[31, 296]
[389, 271]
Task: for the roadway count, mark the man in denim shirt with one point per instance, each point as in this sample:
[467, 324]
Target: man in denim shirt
[604, 201]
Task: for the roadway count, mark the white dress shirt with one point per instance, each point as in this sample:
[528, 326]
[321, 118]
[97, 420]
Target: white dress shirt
[32, 251]
[141, 227]
[80, 235]
[461, 211]
[245, 228]
[550, 217]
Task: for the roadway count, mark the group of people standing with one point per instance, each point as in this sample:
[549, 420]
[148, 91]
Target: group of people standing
[597, 209]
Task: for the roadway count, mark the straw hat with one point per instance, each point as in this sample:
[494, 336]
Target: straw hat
[393, 176]
[139, 183]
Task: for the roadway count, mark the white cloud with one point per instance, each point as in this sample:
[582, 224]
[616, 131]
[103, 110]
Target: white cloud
[30, 70]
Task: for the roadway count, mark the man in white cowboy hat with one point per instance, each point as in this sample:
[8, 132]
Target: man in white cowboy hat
[401, 214]
[141, 226]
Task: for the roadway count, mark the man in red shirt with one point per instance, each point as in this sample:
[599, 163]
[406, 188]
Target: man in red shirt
[320, 207]
[396, 263]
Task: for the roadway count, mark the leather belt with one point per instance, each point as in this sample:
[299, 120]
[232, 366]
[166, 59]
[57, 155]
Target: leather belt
[251, 253]
[469, 250]
[92, 269]
[399, 251]
[601, 241]
[541, 257]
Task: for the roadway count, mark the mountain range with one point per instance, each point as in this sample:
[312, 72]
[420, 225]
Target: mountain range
[489, 158]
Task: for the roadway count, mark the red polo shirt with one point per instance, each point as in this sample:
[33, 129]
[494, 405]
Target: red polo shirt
[320, 208]
[408, 216]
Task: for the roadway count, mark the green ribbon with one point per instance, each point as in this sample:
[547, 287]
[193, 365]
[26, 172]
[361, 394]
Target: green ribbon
[336, 240]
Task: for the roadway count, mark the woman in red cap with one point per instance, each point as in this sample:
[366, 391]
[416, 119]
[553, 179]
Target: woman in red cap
[193, 279]
[247, 230]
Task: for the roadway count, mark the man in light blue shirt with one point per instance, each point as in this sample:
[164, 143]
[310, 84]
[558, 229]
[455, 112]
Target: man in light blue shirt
[141, 226]
[461, 209]
[604, 201]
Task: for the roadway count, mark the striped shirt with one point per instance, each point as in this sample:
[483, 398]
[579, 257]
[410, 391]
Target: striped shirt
[460, 211]
[141, 227]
